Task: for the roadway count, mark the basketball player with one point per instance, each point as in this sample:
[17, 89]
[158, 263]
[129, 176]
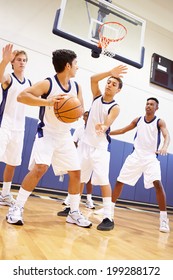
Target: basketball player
[54, 143]
[95, 143]
[77, 135]
[12, 117]
[144, 160]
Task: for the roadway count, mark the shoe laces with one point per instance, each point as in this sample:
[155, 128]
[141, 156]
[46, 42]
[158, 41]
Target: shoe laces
[164, 223]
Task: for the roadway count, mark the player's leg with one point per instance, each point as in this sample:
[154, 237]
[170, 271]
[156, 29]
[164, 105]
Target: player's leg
[161, 199]
[28, 185]
[12, 145]
[66, 201]
[89, 202]
[6, 197]
[100, 177]
[129, 174]
[152, 177]
[39, 163]
[68, 160]
[117, 191]
[107, 222]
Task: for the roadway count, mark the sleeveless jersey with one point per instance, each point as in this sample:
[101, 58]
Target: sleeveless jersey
[147, 137]
[48, 120]
[12, 113]
[97, 114]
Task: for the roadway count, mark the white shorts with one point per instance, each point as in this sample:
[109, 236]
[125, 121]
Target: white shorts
[59, 150]
[135, 166]
[94, 165]
[11, 146]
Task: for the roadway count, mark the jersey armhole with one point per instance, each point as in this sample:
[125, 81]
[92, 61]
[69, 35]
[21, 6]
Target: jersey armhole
[77, 87]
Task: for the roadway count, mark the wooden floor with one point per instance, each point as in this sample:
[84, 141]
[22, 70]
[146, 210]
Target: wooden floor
[45, 236]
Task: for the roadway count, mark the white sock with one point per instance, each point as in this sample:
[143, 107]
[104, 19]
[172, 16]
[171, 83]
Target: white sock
[22, 197]
[107, 208]
[67, 199]
[89, 197]
[112, 209]
[163, 215]
[74, 202]
[6, 187]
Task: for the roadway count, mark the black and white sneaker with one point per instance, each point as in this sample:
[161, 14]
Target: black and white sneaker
[64, 213]
[106, 225]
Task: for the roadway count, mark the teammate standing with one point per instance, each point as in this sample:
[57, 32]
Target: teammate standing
[54, 143]
[12, 117]
[95, 143]
[144, 160]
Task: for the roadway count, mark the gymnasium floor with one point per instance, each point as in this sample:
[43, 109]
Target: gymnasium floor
[45, 236]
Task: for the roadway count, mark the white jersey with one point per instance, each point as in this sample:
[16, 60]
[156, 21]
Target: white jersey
[97, 114]
[147, 138]
[12, 113]
[48, 121]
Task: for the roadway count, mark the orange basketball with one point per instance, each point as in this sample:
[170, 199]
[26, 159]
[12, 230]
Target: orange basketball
[69, 109]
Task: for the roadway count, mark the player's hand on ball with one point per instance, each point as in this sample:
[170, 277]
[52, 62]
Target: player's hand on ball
[54, 99]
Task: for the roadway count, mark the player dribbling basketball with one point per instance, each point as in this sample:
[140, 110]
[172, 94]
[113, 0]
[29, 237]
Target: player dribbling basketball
[54, 143]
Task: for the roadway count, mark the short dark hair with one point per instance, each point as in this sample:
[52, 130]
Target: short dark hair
[153, 98]
[119, 80]
[61, 57]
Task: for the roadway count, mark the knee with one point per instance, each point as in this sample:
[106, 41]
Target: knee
[75, 175]
[40, 170]
[158, 185]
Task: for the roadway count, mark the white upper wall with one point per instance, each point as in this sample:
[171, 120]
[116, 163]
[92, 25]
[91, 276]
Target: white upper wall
[29, 26]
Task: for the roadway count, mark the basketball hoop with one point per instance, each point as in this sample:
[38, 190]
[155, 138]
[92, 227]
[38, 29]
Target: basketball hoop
[110, 33]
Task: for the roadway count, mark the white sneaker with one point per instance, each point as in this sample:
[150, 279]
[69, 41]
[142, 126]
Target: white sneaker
[7, 200]
[14, 215]
[99, 211]
[89, 204]
[164, 225]
[77, 218]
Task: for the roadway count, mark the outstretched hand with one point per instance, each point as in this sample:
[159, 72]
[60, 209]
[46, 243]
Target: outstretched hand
[118, 71]
[8, 54]
[100, 129]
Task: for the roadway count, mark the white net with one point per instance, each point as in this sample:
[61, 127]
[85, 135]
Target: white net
[108, 48]
[111, 34]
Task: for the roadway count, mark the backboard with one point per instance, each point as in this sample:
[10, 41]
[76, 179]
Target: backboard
[79, 21]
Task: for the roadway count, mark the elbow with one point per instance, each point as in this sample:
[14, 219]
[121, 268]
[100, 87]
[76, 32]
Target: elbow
[20, 98]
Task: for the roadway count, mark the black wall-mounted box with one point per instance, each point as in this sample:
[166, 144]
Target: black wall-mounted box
[161, 72]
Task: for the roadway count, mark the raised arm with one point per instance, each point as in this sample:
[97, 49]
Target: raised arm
[123, 130]
[7, 56]
[95, 79]
[163, 150]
